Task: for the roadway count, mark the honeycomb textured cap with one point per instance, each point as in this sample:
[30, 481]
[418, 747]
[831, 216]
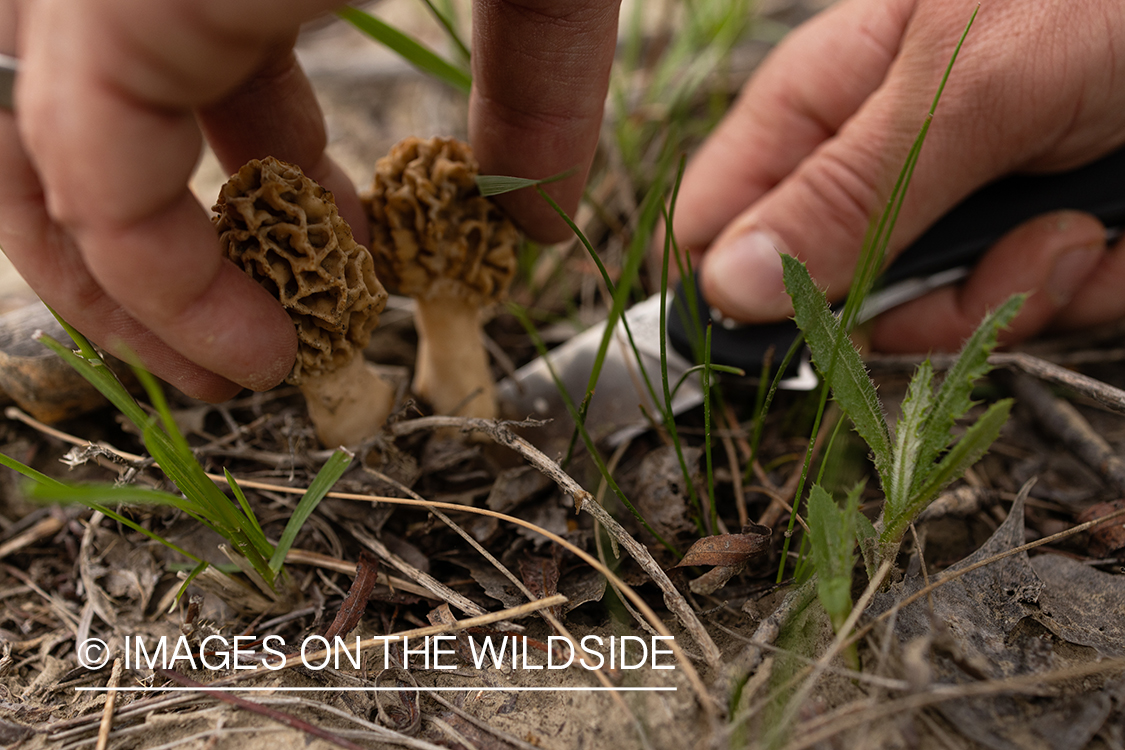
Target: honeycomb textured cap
[285, 232]
[432, 233]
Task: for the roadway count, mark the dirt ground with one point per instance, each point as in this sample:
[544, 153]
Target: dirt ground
[1025, 651]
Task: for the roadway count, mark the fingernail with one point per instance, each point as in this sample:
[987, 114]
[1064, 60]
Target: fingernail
[743, 279]
[1071, 269]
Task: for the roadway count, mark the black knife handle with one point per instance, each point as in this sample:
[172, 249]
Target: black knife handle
[958, 239]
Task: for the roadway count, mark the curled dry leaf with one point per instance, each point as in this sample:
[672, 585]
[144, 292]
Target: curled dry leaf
[728, 550]
[1108, 538]
[541, 576]
[351, 611]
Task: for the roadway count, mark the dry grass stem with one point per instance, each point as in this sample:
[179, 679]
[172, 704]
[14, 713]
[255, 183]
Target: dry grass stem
[110, 702]
[823, 728]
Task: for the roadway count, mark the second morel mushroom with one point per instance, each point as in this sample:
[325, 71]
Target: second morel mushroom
[284, 231]
[436, 239]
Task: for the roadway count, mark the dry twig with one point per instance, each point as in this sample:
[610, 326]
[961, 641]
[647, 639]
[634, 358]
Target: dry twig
[1065, 422]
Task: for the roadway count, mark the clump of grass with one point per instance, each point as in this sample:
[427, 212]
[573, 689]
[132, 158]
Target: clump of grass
[201, 498]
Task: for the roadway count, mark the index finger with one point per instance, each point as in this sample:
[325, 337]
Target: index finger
[540, 76]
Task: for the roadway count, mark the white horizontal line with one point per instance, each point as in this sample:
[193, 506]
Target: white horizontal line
[204, 688]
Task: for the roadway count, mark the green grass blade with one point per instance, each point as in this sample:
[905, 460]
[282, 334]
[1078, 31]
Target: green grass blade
[37, 476]
[187, 581]
[491, 185]
[448, 20]
[243, 503]
[106, 493]
[408, 48]
[838, 361]
[699, 368]
[909, 436]
[98, 374]
[870, 262]
[76, 493]
[707, 428]
[328, 475]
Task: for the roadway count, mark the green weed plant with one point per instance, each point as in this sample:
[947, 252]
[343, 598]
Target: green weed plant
[201, 499]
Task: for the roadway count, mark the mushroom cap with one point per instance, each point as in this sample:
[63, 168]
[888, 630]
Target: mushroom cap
[432, 233]
[285, 232]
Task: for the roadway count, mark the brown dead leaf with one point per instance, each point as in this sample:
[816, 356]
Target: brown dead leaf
[728, 550]
[1108, 538]
[541, 576]
[351, 611]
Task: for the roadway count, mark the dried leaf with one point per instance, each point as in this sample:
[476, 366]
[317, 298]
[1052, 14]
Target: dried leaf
[728, 550]
[1108, 538]
[355, 603]
[661, 495]
[580, 586]
[997, 622]
[541, 576]
[443, 615]
[514, 486]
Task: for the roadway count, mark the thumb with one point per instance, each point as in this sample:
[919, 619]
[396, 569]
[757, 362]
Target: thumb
[1050, 257]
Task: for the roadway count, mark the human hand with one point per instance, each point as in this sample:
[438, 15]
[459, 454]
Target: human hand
[112, 102]
[810, 151]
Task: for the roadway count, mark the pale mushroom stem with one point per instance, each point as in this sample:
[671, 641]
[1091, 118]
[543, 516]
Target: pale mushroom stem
[452, 371]
[348, 404]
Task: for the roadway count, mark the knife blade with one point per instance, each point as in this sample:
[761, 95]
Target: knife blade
[943, 255]
[8, 68]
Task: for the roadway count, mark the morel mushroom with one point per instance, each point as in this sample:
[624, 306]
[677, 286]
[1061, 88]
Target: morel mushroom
[435, 238]
[284, 231]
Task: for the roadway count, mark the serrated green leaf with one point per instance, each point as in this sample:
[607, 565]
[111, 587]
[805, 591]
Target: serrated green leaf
[832, 532]
[408, 48]
[965, 452]
[838, 362]
[908, 438]
[953, 398]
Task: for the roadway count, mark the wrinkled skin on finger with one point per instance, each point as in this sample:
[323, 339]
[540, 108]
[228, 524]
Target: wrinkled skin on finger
[810, 151]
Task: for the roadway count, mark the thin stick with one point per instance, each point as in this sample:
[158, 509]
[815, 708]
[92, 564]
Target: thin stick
[306, 557]
[545, 613]
[1061, 418]
[110, 702]
[834, 723]
[1107, 395]
[46, 527]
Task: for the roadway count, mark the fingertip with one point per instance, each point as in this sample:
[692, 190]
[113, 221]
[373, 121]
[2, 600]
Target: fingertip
[742, 277]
